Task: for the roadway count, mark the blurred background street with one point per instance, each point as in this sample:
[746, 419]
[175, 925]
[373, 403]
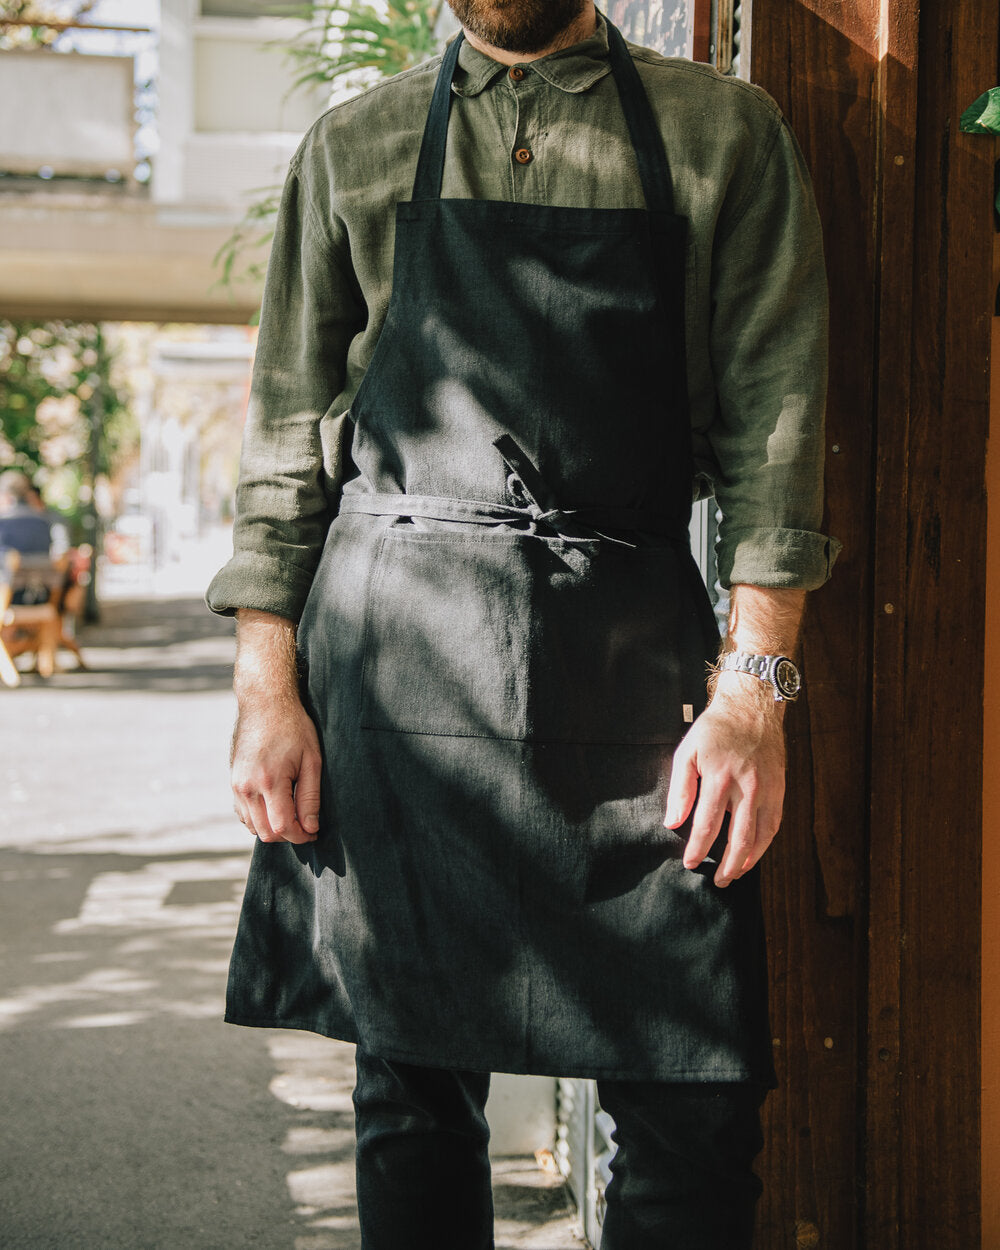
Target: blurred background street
[132, 1115]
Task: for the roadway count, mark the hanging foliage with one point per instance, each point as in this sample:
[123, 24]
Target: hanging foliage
[38, 23]
[982, 117]
[353, 36]
[343, 43]
[63, 420]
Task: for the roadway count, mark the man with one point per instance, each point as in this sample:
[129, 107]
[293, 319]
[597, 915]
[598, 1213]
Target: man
[487, 382]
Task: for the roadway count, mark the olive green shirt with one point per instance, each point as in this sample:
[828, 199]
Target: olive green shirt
[755, 290]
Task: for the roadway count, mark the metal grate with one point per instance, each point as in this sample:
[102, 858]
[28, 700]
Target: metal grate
[726, 48]
[584, 1150]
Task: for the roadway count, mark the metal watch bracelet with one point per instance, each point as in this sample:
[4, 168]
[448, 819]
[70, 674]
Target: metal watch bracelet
[777, 671]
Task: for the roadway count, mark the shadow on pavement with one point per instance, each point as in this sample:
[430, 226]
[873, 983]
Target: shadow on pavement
[169, 645]
[133, 1115]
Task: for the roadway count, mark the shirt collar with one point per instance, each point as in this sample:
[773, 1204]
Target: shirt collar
[574, 69]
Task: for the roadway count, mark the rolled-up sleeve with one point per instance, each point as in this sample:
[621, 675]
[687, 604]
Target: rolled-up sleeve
[769, 360]
[311, 310]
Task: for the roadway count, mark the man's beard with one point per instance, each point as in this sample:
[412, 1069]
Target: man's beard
[517, 25]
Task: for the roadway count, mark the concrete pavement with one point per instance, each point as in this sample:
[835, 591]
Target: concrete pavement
[132, 1117]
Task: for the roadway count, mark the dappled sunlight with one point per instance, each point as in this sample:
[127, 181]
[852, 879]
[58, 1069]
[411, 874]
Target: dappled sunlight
[107, 1021]
[141, 899]
[315, 1076]
[312, 1141]
[148, 948]
[531, 1207]
[133, 976]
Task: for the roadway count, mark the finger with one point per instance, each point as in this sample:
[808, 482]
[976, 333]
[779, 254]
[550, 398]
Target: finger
[768, 824]
[243, 793]
[709, 813]
[742, 839]
[307, 793]
[258, 822]
[683, 788]
[281, 817]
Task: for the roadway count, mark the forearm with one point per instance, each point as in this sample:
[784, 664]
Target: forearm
[266, 666]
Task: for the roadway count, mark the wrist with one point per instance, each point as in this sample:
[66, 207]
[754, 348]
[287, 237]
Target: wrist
[253, 695]
[775, 671]
[747, 694]
[266, 670]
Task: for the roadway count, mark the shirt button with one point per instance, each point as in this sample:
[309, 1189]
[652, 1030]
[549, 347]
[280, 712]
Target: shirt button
[522, 156]
[516, 72]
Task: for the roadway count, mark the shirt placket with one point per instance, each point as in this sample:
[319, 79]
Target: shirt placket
[523, 86]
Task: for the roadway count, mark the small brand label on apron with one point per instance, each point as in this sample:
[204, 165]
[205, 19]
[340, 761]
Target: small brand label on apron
[688, 709]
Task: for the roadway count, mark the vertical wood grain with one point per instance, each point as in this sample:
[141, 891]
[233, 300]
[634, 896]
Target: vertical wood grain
[874, 907]
[941, 810]
[990, 1170]
[894, 156]
[824, 78]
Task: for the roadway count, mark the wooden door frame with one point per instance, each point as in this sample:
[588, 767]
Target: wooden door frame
[873, 894]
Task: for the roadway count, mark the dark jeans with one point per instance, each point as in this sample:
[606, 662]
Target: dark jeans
[682, 1178]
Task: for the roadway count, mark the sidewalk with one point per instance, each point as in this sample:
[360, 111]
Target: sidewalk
[133, 1117]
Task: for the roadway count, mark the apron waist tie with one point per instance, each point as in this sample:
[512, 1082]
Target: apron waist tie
[584, 525]
[572, 524]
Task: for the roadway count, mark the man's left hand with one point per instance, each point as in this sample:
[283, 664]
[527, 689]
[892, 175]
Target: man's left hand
[731, 760]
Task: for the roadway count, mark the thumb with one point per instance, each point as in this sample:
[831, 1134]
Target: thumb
[307, 792]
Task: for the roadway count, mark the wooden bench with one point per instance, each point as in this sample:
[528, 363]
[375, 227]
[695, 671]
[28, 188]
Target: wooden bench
[42, 625]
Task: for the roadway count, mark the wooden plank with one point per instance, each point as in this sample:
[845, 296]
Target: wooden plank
[701, 30]
[945, 538]
[990, 1169]
[897, 188]
[894, 124]
[819, 63]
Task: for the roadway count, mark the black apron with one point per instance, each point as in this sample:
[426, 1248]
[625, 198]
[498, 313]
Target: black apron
[502, 634]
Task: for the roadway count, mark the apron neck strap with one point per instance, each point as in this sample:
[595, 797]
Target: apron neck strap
[654, 172]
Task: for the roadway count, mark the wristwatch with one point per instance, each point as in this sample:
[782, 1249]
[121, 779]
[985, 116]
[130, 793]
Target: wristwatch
[777, 670]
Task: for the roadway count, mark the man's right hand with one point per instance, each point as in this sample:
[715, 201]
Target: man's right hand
[275, 771]
[276, 757]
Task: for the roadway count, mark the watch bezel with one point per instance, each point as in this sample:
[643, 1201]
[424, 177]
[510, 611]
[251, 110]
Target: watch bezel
[786, 678]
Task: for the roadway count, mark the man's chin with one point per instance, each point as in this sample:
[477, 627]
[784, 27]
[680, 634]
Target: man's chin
[528, 26]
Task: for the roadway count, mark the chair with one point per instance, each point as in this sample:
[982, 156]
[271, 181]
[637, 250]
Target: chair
[34, 626]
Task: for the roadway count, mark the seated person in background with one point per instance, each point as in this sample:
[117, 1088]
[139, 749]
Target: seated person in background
[23, 528]
[59, 532]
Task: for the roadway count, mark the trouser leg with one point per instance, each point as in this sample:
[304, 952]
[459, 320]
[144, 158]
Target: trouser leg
[423, 1169]
[682, 1178]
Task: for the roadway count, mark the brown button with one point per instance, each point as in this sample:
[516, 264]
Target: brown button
[522, 156]
[516, 72]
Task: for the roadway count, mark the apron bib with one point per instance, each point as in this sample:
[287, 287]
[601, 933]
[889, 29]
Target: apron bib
[499, 642]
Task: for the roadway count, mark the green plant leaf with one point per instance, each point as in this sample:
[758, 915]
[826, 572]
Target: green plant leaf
[983, 117]
[339, 38]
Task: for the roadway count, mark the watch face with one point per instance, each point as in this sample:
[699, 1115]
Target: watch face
[787, 679]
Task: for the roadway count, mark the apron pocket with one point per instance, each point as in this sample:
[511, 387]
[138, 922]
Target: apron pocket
[500, 635]
[617, 649]
[446, 641]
